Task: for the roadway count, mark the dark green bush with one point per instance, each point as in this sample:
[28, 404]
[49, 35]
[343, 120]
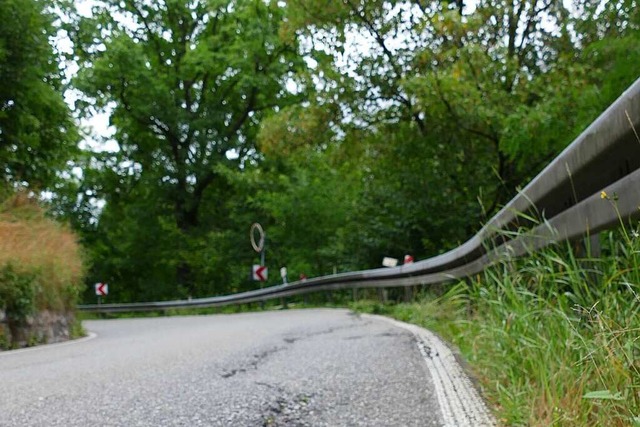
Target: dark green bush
[18, 293]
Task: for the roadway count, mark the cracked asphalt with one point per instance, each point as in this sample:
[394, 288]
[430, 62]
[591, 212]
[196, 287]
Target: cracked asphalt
[319, 367]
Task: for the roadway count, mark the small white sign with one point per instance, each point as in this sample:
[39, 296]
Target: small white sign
[260, 273]
[102, 289]
[389, 262]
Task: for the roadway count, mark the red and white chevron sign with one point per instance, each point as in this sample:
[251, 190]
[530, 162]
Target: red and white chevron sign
[260, 273]
[102, 289]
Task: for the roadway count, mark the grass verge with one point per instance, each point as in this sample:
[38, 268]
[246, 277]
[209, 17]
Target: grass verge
[553, 339]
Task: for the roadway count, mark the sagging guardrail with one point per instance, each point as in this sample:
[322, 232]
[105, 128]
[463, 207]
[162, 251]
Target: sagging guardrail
[567, 193]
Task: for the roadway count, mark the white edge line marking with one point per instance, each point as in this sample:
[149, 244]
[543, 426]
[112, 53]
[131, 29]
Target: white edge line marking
[90, 336]
[460, 403]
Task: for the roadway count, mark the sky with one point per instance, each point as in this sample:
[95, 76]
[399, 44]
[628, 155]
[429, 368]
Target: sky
[96, 129]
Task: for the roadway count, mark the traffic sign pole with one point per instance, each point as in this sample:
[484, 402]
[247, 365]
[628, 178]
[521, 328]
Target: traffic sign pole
[102, 290]
[258, 246]
[262, 263]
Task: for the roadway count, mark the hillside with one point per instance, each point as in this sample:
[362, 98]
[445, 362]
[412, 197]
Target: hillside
[41, 270]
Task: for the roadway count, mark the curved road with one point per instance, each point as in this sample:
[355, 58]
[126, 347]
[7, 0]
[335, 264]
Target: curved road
[290, 368]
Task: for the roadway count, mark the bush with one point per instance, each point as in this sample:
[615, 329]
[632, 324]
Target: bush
[41, 265]
[35, 249]
[17, 294]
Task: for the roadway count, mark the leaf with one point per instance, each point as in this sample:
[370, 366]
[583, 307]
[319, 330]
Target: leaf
[603, 394]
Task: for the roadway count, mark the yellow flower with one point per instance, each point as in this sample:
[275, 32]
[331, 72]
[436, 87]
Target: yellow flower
[603, 195]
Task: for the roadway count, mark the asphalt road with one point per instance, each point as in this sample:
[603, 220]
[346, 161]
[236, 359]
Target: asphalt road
[288, 368]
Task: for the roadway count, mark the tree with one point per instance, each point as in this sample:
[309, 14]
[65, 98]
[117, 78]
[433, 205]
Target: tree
[457, 105]
[454, 110]
[447, 72]
[187, 83]
[37, 134]
[404, 127]
[308, 198]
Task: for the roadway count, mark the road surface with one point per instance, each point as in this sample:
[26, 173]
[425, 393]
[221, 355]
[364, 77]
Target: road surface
[286, 368]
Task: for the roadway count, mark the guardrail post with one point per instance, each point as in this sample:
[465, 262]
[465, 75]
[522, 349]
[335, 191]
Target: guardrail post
[329, 295]
[383, 295]
[408, 294]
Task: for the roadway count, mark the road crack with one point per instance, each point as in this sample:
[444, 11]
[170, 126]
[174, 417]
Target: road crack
[294, 338]
[252, 364]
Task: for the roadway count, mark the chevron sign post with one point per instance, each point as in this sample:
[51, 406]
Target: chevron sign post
[260, 273]
[102, 289]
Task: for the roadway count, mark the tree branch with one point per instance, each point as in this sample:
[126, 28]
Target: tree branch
[454, 115]
[146, 25]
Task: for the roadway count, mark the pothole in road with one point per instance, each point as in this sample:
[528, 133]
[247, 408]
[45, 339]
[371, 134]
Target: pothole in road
[289, 411]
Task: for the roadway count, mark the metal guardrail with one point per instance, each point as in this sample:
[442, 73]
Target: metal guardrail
[567, 193]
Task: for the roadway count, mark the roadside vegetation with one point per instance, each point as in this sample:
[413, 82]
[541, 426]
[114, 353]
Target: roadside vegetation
[553, 338]
[351, 130]
[41, 265]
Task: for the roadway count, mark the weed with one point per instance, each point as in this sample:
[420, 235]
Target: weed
[552, 342]
[76, 330]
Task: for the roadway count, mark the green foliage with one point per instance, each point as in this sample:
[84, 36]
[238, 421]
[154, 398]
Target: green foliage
[188, 83]
[231, 112]
[37, 134]
[42, 258]
[308, 200]
[467, 108]
[41, 268]
[552, 338]
[456, 79]
[370, 306]
[272, 112]
[5, 343]
[18, 293]
[76, 330]
[414, 197]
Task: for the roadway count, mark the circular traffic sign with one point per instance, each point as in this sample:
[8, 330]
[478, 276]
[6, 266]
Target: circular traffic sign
[257, 246]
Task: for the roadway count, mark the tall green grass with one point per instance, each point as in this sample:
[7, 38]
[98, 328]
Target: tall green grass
[554, 339]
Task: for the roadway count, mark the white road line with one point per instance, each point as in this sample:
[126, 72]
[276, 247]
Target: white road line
[90, 336]
[460, 403]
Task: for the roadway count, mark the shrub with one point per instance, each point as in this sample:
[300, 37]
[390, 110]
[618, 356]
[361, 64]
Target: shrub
[41, 265]
[17, 294]
[36, 249]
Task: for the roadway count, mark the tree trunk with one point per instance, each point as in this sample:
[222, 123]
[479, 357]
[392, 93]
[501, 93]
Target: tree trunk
[187, 222]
